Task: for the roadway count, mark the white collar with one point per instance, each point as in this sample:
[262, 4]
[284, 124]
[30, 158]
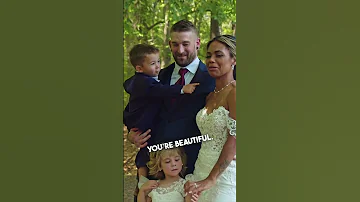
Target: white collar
[192, 67]
[156, 78]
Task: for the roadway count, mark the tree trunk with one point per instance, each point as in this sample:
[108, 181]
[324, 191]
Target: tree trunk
[214, 28]
[199, 27]
[233, 28]
[195, 15]
[166, 55]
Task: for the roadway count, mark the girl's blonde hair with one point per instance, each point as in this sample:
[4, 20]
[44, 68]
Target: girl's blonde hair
[154, 164]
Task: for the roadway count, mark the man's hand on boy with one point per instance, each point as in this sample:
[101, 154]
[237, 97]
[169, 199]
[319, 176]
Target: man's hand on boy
[189, 88]
[139, 139]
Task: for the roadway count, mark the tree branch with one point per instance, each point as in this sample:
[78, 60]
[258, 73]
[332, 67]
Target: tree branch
[152, 26]
[188, 13]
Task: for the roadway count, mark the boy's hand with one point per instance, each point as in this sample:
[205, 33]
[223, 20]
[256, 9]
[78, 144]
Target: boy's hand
[189, 88]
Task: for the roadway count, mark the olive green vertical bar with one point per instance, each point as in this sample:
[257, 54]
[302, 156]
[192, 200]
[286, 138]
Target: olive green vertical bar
[121, 53]
[238, 99]
[298, 94]
[118, 150]
[61, 101]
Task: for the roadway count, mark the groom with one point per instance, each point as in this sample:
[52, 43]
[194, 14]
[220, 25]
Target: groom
[177, 116]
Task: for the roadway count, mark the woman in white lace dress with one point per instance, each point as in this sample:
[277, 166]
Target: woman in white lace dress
[166, 165]
[214, 176]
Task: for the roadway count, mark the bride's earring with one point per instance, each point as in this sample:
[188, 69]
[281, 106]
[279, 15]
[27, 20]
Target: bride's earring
[232, 67]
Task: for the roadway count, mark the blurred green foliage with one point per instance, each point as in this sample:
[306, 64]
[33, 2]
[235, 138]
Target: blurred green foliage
[149, 21]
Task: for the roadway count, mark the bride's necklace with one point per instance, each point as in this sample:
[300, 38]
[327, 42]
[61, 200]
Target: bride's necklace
[218, 91]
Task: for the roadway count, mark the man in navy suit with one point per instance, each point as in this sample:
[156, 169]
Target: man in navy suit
[176, 119]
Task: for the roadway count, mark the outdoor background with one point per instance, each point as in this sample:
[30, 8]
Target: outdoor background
[61, 101]
[149, 22]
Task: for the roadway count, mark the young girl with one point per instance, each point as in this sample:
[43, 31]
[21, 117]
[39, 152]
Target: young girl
[167, 166]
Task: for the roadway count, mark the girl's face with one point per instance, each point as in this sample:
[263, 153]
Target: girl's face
[171, 165]
[218, 60]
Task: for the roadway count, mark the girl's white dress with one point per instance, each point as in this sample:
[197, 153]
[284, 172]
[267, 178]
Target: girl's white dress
[173, 193]
[217, 125]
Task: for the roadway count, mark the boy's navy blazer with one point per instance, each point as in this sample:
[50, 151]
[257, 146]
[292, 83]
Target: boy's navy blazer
[177, 120]
[145, 100]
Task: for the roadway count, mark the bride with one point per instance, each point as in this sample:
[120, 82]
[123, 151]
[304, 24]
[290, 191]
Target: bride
[215, 168]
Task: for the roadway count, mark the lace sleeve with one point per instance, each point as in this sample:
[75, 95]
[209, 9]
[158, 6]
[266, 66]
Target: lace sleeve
[231, 125]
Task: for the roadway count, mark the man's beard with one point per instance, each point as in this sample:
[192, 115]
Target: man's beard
[185, 62]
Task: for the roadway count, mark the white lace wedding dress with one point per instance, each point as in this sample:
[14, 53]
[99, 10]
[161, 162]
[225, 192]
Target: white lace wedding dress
[217, 125]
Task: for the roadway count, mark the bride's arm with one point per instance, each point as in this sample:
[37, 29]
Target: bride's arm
[227, 154]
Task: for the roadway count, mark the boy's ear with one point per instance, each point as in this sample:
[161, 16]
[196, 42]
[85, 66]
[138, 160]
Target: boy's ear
[138, 68]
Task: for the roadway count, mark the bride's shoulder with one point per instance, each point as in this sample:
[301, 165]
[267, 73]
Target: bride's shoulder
[209, 96]
[232, 94]
[233, 85]
[231, 102]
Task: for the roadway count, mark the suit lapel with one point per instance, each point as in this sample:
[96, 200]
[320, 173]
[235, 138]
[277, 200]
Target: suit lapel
[199, 73]
[165, 78]
[165, 74]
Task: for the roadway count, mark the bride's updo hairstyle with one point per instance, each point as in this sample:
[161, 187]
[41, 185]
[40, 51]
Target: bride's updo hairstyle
[230, 43]
[154, 164]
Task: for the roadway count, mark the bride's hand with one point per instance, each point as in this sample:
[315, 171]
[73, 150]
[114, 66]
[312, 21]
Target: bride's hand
[187, 186]
[196, 187]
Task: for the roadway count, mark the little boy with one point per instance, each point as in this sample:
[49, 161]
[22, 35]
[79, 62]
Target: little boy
[146, 93]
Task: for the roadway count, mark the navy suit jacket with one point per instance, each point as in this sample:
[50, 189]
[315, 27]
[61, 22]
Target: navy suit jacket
[145, 100]
[177, 120]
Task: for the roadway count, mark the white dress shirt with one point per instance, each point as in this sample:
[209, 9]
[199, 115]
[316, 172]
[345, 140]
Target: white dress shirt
[156, 78]
[192, 67]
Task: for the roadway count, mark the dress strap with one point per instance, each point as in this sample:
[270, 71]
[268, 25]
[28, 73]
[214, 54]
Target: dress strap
[231, 125]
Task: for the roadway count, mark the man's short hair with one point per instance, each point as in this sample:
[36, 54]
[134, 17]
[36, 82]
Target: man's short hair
[184, 26]
[138, 52]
